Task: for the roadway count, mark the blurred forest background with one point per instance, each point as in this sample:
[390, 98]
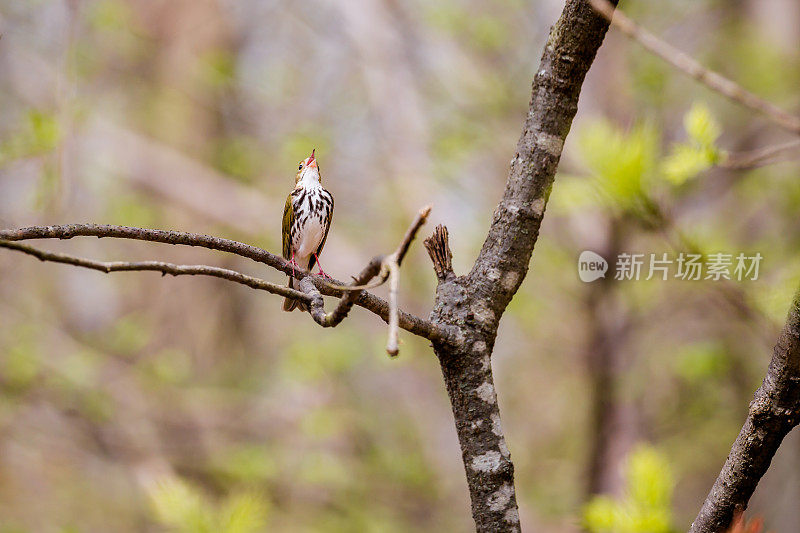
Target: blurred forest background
[194, 404]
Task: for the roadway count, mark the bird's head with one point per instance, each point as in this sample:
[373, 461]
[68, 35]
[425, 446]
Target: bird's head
[308, 169]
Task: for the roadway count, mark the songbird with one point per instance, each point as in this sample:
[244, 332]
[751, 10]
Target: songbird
[306, 221]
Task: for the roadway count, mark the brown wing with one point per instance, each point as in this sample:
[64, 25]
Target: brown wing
[288, 220]
[313, 260]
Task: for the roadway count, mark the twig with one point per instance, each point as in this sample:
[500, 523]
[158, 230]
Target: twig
[422, 217]
[384, 267]
[392, 347]
[774, 411]
[416, 325]
[729, 291]
[69, 231]
[392, 263]
[686, 64]
[400, 253]
[158, 266]
[349, 298]
[757, 158]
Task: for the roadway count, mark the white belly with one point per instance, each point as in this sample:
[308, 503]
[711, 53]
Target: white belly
[312, 207]
[309, 237]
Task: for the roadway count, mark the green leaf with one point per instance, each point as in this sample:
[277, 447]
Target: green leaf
[488, 33]
[649, 521]
[646, 505]
[684, 163]
[601, 515]
[649, 478]
[623, 163]
[243, 513]
[171, 366]
[700, 153]
[180, 507]
[132, 209]
[701, 126]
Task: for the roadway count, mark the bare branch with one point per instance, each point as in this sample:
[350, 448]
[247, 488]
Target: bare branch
[686, 64]
[158, 266]
[317, 304]
[400, 253]
[380, 307]
[383, 267]
[350, 296]
[758, 158]
[411, 233]
[774, 411]
[392, 347]
[440, 333]
[152, 235]
[352, 293]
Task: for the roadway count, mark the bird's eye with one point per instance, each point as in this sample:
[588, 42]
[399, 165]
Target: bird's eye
[300, 167]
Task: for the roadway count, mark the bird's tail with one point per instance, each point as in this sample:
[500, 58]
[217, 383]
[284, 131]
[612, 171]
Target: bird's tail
[290, 304]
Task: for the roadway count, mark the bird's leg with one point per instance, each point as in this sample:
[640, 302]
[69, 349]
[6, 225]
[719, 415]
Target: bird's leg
[321, 272]
[293, 263]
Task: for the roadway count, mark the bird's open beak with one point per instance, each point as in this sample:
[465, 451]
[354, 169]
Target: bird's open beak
[312, 161]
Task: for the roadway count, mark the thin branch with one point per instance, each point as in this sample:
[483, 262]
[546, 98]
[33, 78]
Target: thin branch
[729, 291]
[757, 158]
[774, 411]
[411, 232]
[400, 253]
[392, 347]
[686, 64]
[384, 267]
[352, 293]
[69, 231]
[158, 266]
[392, 264]
[416, 325]
[317, 304]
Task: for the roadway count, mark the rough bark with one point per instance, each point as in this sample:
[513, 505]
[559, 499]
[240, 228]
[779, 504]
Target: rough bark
[473, 304]
[568, 54]
[774, 411]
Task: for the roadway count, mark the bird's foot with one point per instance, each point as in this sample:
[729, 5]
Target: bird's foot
[321, 272]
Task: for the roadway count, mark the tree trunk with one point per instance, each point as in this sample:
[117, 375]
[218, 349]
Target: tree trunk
[473, 304]
[774, 411]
